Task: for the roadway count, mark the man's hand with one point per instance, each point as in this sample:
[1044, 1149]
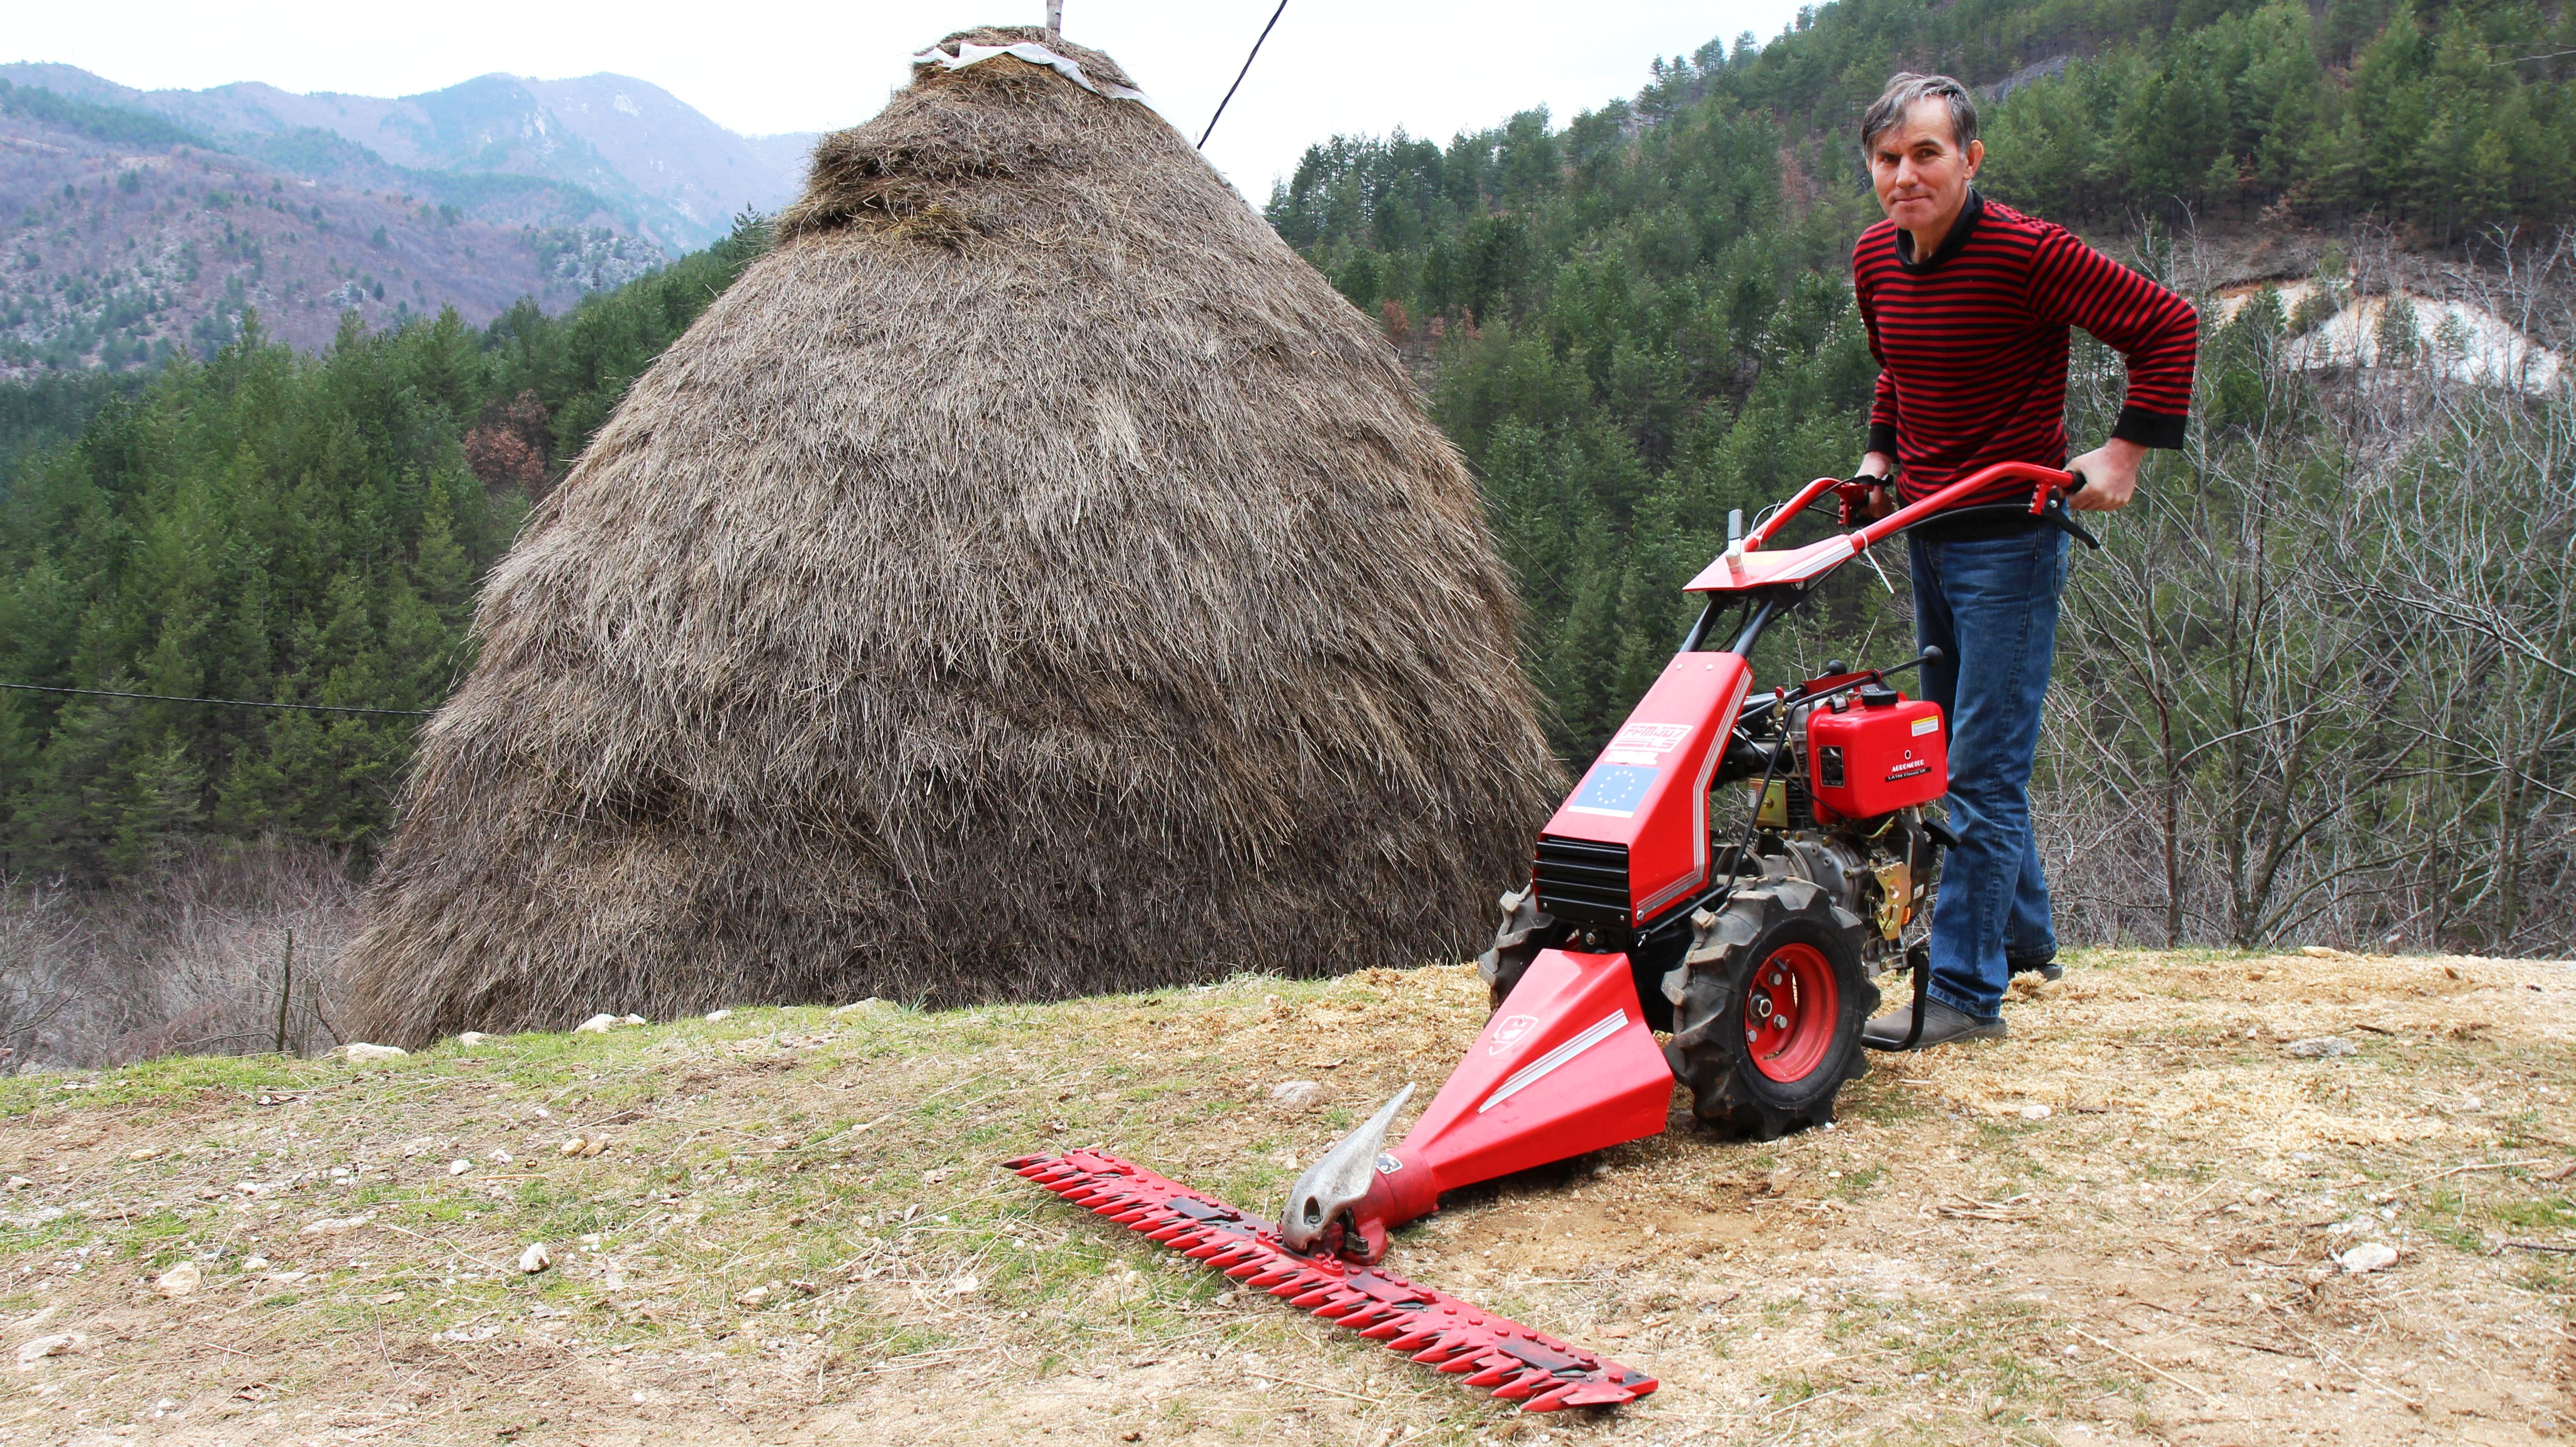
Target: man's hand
[1882, 501]
[2110, 476]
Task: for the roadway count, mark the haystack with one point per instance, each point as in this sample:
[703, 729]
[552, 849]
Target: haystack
[1030, 579]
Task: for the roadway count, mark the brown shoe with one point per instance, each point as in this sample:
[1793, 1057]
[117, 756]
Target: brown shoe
[1941, 1025]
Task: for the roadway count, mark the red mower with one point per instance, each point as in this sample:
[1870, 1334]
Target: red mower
[1751, 948]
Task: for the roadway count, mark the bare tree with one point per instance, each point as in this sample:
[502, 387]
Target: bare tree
[2319, 683]
[194, 963]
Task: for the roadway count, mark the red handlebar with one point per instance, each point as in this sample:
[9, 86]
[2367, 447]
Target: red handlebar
[2043, 481]
[1754, 541]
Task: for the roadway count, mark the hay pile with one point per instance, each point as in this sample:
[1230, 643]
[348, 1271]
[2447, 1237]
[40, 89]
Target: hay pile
[1030, 579]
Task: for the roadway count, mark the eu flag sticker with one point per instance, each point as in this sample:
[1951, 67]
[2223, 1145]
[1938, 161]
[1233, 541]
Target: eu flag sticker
[1613, 789]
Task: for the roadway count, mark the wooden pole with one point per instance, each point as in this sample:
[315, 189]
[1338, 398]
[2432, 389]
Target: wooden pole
[1055, 19]
[285, 991]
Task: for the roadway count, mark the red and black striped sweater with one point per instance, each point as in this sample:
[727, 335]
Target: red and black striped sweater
[1972, 344]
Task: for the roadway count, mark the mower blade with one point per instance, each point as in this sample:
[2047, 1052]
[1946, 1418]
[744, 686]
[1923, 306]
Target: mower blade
[1487, 1351]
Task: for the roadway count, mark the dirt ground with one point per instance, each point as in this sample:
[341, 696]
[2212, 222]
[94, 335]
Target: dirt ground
[2123, 1224]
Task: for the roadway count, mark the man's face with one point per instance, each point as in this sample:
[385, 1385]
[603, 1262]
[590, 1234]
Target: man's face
[1918, 169]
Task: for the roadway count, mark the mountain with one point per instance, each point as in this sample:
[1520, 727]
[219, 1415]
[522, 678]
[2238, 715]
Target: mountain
[150, 222]
[665, 173]
[121, 254]
[701, 173]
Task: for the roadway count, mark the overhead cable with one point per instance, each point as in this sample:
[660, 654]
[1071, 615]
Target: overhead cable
[230, 702]
[1240, 74]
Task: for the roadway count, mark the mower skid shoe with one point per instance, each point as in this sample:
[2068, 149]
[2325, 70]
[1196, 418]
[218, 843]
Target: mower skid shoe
[1339, 1180]
[1491, 1353]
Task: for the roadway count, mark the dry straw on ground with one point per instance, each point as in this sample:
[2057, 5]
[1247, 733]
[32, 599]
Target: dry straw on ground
[1030, 578]
[799, 1231]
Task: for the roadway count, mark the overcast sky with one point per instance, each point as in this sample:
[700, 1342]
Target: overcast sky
[1431, 66]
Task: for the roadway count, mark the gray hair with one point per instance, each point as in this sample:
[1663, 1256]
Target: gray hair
[1903, 90]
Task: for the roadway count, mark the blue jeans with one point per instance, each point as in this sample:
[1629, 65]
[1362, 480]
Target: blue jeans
[1990, 606]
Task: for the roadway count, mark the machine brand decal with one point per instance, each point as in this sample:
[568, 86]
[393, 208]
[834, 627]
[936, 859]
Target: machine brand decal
[1645, 743]
[1613, 789]
[1508, 1033]
[1928, 724]
[1907, 771]
[1530, 1074]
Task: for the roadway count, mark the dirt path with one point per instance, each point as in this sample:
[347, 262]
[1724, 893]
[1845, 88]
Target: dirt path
[2121, 1225]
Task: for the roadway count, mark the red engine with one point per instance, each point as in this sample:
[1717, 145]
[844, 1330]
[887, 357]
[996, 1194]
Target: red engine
[1874, 753]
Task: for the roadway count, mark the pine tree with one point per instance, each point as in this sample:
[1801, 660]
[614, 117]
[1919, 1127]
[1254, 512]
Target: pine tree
[2394, 337]
[2485, 188]
[69, 804]
[18, 762]
[157, 812]
[441, 569]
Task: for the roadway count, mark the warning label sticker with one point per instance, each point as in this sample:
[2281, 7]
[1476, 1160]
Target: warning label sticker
[1928, 724]
[1645, 743]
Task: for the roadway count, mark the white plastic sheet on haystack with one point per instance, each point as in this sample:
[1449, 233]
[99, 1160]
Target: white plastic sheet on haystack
[1030, 51]
[2463, 341]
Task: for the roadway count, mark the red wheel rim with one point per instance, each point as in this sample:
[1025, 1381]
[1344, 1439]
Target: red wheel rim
[1791, 1009]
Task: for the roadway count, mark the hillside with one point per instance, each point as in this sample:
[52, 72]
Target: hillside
[279, 525]
[2267, 716]
[663, 171]
[2119, 1226]
[1657, 290]
[146, 224]
[122, 256]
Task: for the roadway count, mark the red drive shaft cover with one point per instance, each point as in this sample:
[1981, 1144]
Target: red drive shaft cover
[1881, 753]
[1566, 1066]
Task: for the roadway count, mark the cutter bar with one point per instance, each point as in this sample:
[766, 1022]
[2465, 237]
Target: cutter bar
[1491, 1353]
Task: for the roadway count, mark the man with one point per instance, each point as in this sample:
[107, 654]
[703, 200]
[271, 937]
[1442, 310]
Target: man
[1968, 304]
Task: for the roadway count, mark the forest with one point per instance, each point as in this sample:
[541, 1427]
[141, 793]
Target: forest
[264, 525]
[1657, 294]
[2318, 687]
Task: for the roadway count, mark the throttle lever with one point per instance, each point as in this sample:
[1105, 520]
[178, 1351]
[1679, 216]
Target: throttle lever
[2055, 512]
[1931, 654]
